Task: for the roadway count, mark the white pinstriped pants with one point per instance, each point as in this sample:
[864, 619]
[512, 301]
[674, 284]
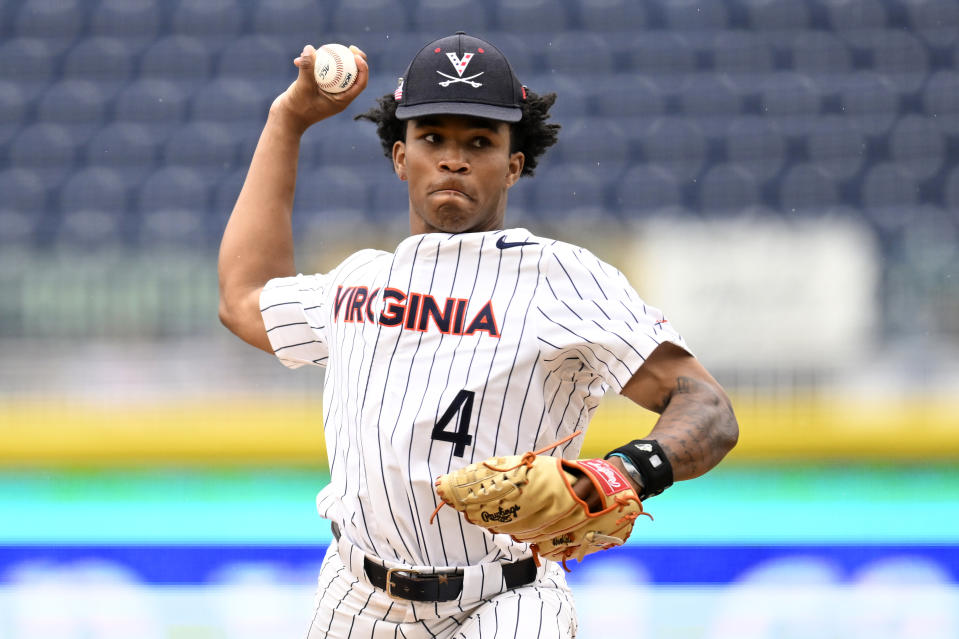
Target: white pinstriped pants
[347, 606]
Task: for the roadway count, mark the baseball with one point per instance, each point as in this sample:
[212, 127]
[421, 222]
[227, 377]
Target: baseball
[334, 68]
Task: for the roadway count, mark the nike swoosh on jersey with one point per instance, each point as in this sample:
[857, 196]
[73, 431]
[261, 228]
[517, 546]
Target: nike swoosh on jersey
[501, 243]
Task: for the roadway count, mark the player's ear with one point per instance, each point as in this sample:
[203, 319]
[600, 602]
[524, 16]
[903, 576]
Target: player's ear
[515, 169]
[399, 159]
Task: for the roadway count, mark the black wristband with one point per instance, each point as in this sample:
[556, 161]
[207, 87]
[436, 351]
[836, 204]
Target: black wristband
[650, 460]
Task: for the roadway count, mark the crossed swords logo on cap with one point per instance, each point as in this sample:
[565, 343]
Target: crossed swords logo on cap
[459, 65]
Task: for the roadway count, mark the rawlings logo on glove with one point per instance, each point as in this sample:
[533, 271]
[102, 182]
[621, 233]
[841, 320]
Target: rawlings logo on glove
[531, 498]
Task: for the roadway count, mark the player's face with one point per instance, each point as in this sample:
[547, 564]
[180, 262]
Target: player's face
[459, 169]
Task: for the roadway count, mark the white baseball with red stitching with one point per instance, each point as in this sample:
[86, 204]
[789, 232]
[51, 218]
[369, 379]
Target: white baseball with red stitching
[334, 67]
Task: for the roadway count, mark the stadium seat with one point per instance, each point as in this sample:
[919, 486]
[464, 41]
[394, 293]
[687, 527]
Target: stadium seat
[806, 188]
[568, 190]
[917, 143]
[853, 20]
[676, 144]
[225, 194]
[791, 100]
[136, 22]
[258, 57]
[565, 55]
[532, 17]
[161, 104]
[950, 196]
[900, 57]
[777, 15]
[726, 188]
[45, 147]
[694, 16]
[835, 147]
[520, 52]
[594, 143]
[93, 203]
[627, 95]
[646, 188]
[330, 189]
[177, 58]
[128, 148]
[57, 22]
[940, 100]
[369, 16]
[231, 100]
[889, 185]
[17, 229]
[389, 199]
[821, 56]
[13, 108]
[108, 62]
[216, 22]
[449, 16]
[742, 57]
[207, 148]
[23, 191]
[172, 203]
[708, 94]
[573, 99]
[936, 22]
[870, 102]
[664, 55]
[613, 16]
[290, 22]
[347, 143]
[756, 143]
[27, 63]
[76, 104]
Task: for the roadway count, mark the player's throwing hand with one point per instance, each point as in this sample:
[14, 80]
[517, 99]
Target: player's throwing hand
[305, 103]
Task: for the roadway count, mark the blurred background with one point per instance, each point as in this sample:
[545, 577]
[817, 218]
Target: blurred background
[780, 176]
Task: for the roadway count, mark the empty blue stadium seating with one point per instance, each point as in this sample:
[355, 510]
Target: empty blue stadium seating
[96, 189]
[695, 16]
[127, 148]
[951, 192]
[935, 21]
[13, 108]
[47, 148]
[57, 22]
[345, 143]
[206, 148]
[329, 189]
[676, 144]
[177, 58]
[870, 101]
[821, 56]
[567, 54]
[777, 17]
[369, 16]
[23, 190]
[836, 147]
[160, 104]
[940, 100]
[806, 188]
[448, 16]
[568, 190]
[855, 20]
[27, 63]
[792, 100]
[216, 22]
[172, 204]
[136, 22]
[79, 105]
[291, 22]
[741, 54]
[727, 188]
[614, 17]
[627, 95]
[106, 61]
[888, 185]
[595, 143]
[665, 55]
[918, 144]
[756, 143]
[230, 99]
[645, 188]
[532, 17]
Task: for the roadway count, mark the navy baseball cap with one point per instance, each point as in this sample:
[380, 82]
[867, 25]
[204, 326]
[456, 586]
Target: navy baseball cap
[460, 75]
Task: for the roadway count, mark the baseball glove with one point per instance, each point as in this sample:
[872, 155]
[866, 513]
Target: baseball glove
[530, 497]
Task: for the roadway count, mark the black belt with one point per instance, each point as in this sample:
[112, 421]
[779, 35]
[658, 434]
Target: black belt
[418, 586]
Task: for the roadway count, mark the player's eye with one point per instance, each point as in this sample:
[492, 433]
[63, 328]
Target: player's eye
[481, 142]
[432, 138]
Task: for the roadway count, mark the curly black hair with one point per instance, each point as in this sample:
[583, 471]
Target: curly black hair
[532, 135]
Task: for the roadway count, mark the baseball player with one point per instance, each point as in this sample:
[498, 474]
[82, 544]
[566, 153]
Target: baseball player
[470, 340]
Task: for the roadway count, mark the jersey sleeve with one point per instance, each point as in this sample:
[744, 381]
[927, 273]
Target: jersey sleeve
[591, 318]
[294, 311]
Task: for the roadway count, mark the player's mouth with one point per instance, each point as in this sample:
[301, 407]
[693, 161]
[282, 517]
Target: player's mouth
[449, 189]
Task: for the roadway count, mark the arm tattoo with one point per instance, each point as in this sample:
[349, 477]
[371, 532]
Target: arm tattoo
[697, 427]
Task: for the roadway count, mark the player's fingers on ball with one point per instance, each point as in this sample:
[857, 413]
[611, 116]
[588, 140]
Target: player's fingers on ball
[358, 51]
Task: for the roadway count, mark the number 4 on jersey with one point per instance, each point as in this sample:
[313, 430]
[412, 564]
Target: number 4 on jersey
[462, 406]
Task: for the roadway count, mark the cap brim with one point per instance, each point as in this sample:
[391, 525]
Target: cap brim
[488, 111]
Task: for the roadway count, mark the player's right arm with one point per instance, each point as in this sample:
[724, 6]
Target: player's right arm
[257, 243]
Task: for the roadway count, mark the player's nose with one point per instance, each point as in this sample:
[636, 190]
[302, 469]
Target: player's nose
[455, 162]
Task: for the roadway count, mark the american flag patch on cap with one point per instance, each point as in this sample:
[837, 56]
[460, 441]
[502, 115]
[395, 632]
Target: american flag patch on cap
[398, 94]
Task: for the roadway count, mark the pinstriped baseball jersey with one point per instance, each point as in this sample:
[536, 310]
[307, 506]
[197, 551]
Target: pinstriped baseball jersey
[452, 349]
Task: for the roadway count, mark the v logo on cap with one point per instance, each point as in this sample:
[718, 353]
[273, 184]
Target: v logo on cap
[460, 66]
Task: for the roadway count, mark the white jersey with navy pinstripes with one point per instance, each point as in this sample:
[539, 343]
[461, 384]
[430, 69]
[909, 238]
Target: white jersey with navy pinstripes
[452, 349]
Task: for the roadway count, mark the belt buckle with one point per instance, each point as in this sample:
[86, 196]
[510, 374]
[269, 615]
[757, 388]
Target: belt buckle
[390, 584]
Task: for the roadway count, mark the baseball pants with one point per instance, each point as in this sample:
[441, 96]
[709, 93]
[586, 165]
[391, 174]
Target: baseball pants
[347, 606]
